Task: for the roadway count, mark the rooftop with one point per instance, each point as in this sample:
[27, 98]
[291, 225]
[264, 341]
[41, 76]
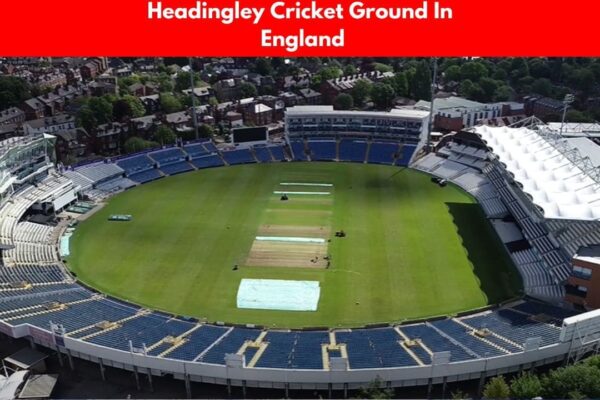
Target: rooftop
[589, 254]
[556, 176]
[574, 128]
[324, 110]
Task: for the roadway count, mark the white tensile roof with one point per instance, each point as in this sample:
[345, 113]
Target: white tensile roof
[556, 184]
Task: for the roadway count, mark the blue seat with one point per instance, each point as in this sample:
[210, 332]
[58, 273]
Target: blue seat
[322, 150]
[207, 161]
[176, 168]
[146, 176]
[298, 150]
[382, 153]
[195, 150]
[168, 156]
[405, 155]
[197, 342]
[277, 152]
[136, 164]
[263, 154]
[353, 150]
[435, 342]
[229, 344]
[235, 157]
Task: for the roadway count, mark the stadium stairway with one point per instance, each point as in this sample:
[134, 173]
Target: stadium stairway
[51, 308]
[171, 343]
[255, 349]
[307, 150]
[90, 331]
[369, 142]
[491, 338]
[412, 348]
[253, 154]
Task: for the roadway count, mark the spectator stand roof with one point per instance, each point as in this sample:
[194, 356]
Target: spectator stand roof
[558, 179]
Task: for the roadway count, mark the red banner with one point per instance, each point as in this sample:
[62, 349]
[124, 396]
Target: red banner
[299, 28]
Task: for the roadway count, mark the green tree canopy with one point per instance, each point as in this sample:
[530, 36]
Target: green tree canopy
[169, 103]
[164, 135]
[13, 91]
[263, 66]
[343, 101]
[135, 144]
[473, 70]
[542, 86]
[182, 81]
[128, 106]
[382, 95]
[496, 388]
[248, 89]
[526, 386]
[422, 81]
[375, 390]
[361, 91]
[350, 69]
[581, 379]
[452, 73]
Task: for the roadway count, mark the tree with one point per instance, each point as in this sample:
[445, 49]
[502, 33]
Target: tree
[182, 81]
[383, 67]
[164, 135]
[360, 91]
[350, 69]
[473, 70]
[538, 68]
[401, 86]
[519, 69]
[13, 91]
[86, 119]
[489, 86]
[382, 95]
[205, 131]
[503, 93]
[542, 86]
[102, 108]
[458, 395]
[135, 144]
[169, 103]
[399, 83]
[263, 66]
[452, 73]
[526, 386]
[581, 79]
[325, 74]
[128, 106]
[343, 101]
[422, 82]
[496, 388]
[574, 381]
[500, 74]
[375, 390]
[247, 89]
[165, 82]
[593, 361]
[127, 81]
[577, 116]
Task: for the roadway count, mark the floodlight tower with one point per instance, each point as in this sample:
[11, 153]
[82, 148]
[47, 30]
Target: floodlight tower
[431, 114]
[192, 87]
[569, 98]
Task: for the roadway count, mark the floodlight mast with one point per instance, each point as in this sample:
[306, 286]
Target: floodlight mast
[569, 98]
[193, 94]
[431, 116]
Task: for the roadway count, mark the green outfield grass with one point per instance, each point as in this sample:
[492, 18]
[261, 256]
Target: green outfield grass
[412, 249]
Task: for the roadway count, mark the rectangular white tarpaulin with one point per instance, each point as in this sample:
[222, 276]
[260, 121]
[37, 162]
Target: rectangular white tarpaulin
[275, 294]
